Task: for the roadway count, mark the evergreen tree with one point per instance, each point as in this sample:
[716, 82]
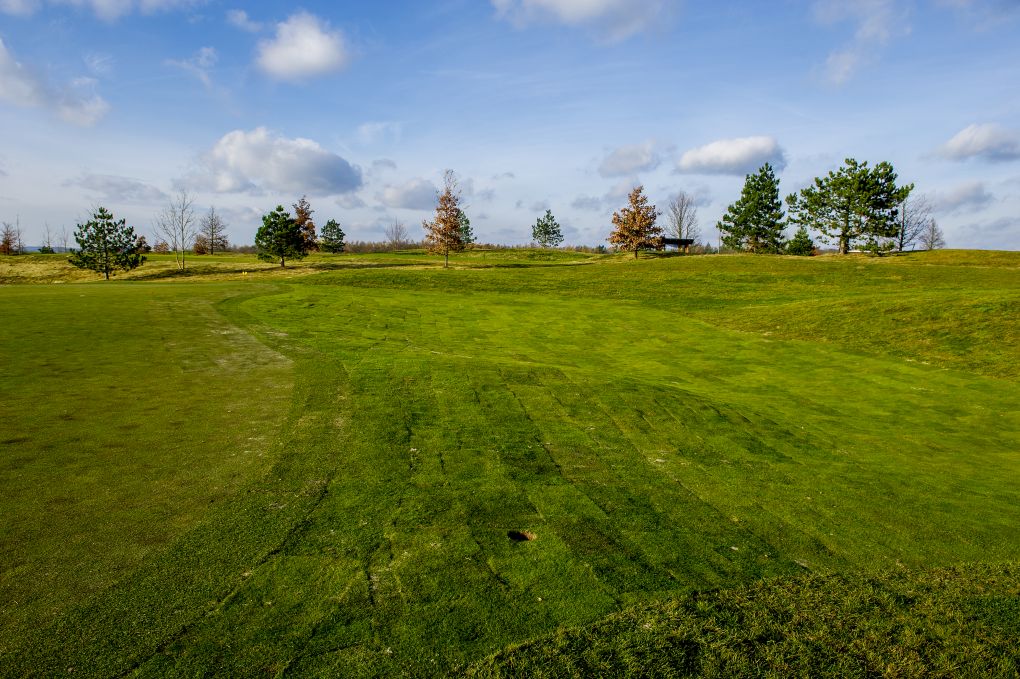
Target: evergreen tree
[303, 218]
[332, 237]
[635, 224]
[546, 231]
[105, 245]
[443, 234]
[854, 203]
[801, 244]
[467, 236]
[280, 238]
[755, 222]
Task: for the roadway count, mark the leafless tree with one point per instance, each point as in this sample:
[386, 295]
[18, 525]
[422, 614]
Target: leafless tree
[8, 239]
[682, 218]
[915, 214]
[176, 225]
[932, 237]
[396, 234]
[65, 238]
[47, 237]
[212, 232]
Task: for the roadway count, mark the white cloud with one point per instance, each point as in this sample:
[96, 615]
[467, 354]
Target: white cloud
[875, 21]
[612, 19]
[737, 156]
[199, 64]
[973, 196]
[76, 102]
[238, 18]
[261, 160]
[303, 46]
[416, 194]
[115, 189]
[626, 160]
[108, 10]
[587, 203]
[989, 142]
[377, 131]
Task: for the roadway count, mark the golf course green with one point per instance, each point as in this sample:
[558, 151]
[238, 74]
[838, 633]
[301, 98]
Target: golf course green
[535, 463]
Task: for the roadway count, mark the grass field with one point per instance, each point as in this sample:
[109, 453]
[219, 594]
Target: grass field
[555, 464]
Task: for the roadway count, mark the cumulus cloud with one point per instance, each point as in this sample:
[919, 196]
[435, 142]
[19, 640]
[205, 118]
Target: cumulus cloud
[303, 46]
[108, 10]
[988, 142]
[416, 194]
[198, 65]
[738, 156]
[238, 18]
[115, 189]
[76, 102]
[626, 160]
[614, 20]
[973, 196]
[875, 22]
[261, 160]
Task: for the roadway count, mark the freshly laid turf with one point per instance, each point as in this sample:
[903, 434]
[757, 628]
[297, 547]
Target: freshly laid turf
[663, 432]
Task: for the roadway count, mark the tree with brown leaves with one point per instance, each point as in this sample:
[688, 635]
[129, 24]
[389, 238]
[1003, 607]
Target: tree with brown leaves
[443, 234]
[635, 224]
[303, 218]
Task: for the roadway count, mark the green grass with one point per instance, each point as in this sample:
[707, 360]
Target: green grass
[336, 497]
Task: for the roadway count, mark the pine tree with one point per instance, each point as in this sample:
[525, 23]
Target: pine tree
[546, 231]
[303, 217]
[801, 244]
[443, 234]
[635, 224]
[467, 236]
[854, 203]
[755, 222]
[280, 238]
[105, 245]
[332, 237]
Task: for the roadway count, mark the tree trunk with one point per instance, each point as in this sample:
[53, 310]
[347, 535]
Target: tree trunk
[283, 263]
[636, 253]
[446, 262]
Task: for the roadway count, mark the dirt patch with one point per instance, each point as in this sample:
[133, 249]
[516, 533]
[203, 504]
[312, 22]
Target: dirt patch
[521, 535]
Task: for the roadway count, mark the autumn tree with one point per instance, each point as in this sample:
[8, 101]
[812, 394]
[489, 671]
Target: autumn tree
[8, 239]
[280, 238]
[854, 205]
[443, 234]
[755, 222]
[546, 231]
[105, 245]
[682, 218]
[634, 225]
[932, 237]
[303, 218]
[176, 225]
[332, 237]
[212, 234]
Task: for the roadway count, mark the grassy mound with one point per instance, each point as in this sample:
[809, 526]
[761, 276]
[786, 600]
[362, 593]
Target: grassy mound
[961, 622]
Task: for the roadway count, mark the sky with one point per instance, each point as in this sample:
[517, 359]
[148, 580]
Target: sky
[535, 104]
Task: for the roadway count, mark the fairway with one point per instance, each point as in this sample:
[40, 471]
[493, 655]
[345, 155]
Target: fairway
[371, 466]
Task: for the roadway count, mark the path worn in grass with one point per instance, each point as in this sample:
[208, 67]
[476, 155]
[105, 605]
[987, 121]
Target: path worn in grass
[650, 450]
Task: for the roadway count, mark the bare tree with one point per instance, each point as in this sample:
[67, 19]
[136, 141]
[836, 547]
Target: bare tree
[682, 218]
[65, 238]
[932, 237]
[915, 214]
[212, 233]
[8, 239]
[396, 234]
[176, 225]
[47, 245]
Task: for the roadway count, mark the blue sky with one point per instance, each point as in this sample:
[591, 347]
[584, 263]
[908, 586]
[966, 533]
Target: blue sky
[560, 104]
